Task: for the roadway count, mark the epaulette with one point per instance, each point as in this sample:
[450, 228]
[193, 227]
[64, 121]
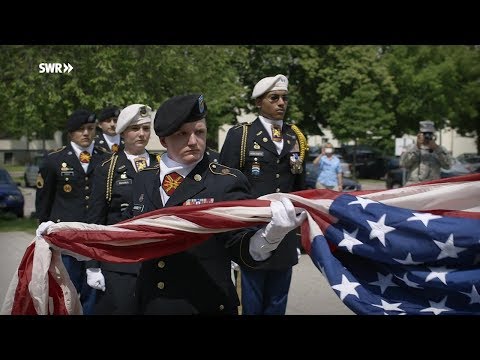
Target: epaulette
[220, 169]
[108, 160]
[239, 125]
[56, 150]
[102, 149]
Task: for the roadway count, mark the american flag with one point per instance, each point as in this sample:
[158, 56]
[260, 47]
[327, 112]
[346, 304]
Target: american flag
[412, 250]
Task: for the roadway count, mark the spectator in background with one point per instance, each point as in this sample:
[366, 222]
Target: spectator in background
[329, 170]
[424, 159]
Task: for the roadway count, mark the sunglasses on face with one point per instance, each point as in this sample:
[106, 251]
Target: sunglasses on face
[273, 98]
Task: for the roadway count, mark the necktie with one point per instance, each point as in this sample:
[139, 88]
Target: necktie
[114, 148]
[276, 133]
[140, 163]
[171, 182]
[85, 157]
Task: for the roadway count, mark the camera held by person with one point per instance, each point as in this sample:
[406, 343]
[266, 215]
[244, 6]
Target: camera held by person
[426, 138]
[423, 160]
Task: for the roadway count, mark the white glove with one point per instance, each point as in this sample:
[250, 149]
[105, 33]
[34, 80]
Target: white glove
[284, 220]
[95, 278]
[42, 228]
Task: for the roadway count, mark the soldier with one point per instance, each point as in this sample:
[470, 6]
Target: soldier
[64, 186]
[107, 139]
[111, 195]
[424, 159]
[198, 280]
[271, 154]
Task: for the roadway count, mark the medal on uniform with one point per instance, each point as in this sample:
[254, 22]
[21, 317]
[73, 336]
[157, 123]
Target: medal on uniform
[67, 188]
[276, 133]
[256, 146]
[295, 164]
[123, 176]
[255, 168]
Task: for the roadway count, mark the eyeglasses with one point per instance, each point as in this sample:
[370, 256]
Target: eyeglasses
[273, 98]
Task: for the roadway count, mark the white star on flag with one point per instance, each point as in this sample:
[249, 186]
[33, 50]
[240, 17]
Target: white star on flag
[448, 249]
[346, 287]
[423, 217]
[362, 201]
[379, 229]
[474, 297]
[408, 260]
[389, 307]
[350, 240]
[384, 281]
[438, 272]
[437, 307]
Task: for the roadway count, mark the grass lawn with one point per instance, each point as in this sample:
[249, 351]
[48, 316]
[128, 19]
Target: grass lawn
[9, 222]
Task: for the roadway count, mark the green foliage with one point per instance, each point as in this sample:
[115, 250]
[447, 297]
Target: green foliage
[365, 94]
[9, 222]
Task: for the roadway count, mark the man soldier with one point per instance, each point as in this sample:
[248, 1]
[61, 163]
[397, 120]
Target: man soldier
[107, 139]
[271, 154]
[111, 195]
[64, 186]
[425, 159]
[197, 281]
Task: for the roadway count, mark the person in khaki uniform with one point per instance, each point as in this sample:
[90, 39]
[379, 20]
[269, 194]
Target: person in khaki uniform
[424, 159]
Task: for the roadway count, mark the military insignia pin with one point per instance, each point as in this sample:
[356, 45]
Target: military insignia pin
[67, 188]
[39, 181]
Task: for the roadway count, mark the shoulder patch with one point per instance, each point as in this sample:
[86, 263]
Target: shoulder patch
[219, 169]
[56, 150]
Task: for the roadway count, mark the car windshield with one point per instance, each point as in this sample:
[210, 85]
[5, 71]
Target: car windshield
[5, 177]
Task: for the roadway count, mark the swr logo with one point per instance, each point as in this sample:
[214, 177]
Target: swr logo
[54, 68]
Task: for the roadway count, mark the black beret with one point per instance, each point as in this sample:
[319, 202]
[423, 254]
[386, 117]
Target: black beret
[80, 117]
[178, 110]
[109, 112]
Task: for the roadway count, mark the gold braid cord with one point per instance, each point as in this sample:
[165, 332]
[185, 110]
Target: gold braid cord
[111, 169]
[302, 141]
[243, 146]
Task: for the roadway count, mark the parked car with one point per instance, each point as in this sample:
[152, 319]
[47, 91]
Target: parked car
[369, 162]
[11, 198]
[397, 176]
[471, 161]
[458, 168]
[312, 174]
[31, 171]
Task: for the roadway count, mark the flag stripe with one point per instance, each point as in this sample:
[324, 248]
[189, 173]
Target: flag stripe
[374, 247]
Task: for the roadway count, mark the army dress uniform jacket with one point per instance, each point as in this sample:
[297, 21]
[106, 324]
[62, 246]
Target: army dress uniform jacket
[118, 187]
[196, 280]
[268, 172]
[63, 187]
[102, 145]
